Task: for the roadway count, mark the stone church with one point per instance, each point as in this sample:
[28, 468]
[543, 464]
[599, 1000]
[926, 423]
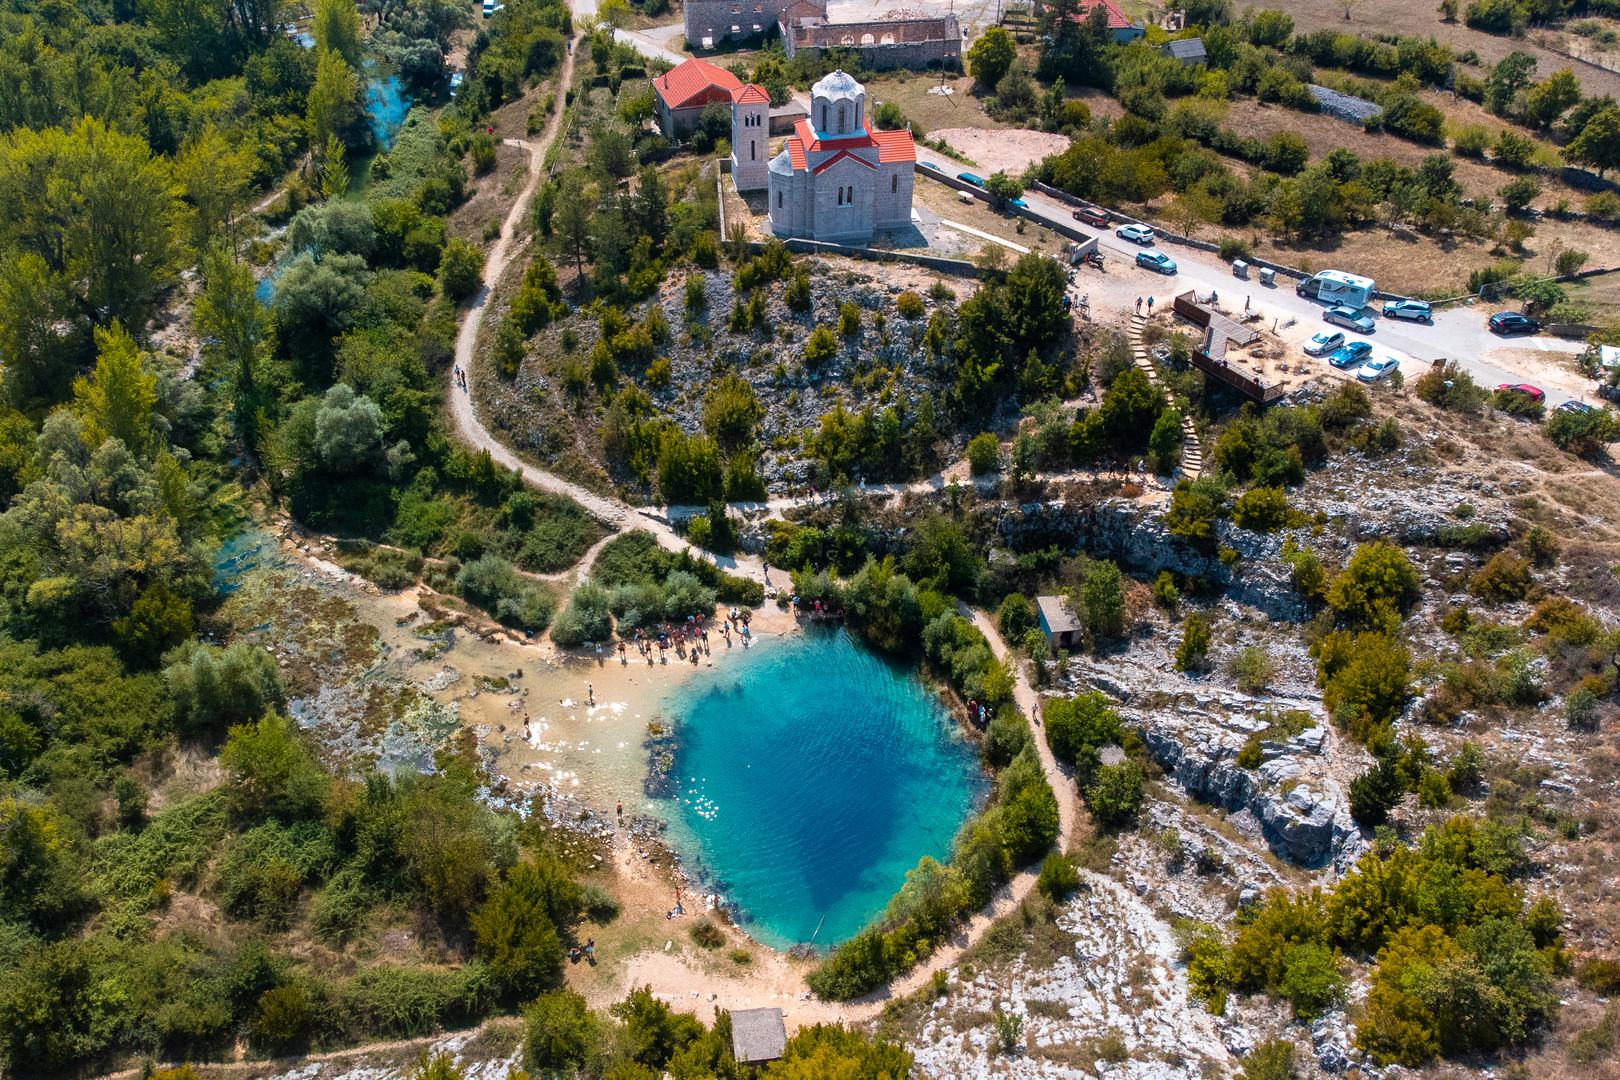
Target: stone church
[836, 178]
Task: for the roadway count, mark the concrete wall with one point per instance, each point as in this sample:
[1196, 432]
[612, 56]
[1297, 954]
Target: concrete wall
[714, 18]
[898, 43]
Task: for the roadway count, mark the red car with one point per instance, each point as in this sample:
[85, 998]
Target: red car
[1093, 216]
[1534, 393]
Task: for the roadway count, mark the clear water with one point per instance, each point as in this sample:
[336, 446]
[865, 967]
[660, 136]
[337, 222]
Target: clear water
[812, 775]
[386, 106]
[242, 554]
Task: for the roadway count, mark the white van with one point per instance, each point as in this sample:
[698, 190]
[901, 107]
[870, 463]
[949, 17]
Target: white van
[1335, 288]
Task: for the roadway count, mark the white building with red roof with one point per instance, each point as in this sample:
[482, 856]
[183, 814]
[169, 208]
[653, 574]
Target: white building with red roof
[837, 178]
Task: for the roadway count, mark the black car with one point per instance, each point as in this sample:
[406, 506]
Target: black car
[1511, 322]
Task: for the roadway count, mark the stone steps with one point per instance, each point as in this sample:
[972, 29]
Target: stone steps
[1192, 451]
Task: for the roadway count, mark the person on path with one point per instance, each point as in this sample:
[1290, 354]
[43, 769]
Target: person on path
[590, 695]
[1139, 305]
[1246, 305]
[1150, 305]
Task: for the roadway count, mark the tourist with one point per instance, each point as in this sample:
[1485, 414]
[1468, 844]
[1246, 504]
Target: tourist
[590, 695]
[1150, 305]
[1139, 305]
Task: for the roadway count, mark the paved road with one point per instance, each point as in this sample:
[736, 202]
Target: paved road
[1457, 333]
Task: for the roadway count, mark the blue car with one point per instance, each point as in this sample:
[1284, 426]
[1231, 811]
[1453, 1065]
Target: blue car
[1350, 355]
[1156, 260]
[1416, 310]
[1020, 203]
[969, 178]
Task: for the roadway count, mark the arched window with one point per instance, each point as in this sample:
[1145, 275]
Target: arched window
[840, 196]
[894, 183]
[751, 154]
[841, 125]
[823, 116]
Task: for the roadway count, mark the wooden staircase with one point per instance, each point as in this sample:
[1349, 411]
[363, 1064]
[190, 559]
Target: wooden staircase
[1192, 451]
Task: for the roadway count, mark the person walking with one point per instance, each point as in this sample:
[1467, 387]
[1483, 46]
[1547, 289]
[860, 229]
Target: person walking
[1150, 305]
[1139, 305]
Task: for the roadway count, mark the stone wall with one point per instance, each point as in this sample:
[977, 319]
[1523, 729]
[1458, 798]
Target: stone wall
[885, 46]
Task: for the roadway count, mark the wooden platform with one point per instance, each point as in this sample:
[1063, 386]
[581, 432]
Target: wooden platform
[1221, 334]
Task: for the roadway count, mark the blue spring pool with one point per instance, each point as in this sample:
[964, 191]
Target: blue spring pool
[811, 775]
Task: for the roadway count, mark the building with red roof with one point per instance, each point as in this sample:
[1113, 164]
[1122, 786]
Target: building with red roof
[684, 91]
[836, 178]
[1119, 24]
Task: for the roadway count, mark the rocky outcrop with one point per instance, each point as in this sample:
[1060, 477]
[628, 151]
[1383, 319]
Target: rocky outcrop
[1136, 537]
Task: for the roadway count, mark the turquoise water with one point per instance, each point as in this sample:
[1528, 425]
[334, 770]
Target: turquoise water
[386, 106]
[242, 554]
[812, 774]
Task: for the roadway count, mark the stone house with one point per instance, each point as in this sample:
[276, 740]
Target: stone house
[684, 91]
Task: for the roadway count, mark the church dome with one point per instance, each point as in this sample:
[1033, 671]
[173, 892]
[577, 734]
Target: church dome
[838, 103]
[838, 84]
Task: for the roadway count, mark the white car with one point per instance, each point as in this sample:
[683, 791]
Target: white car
[1379, 368]
[1136, 234]
[1324, 343]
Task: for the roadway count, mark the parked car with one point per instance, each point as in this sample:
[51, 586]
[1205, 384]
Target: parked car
[1350, 318]
[1416, 310]
[491, 7]
[1534, 393]
[930, 165]
[1092, 215]
[456, 79]
[1156, 260]
[1350, 355]
[970, 178]
[1020, 203]
[1573, 406]
[1511, 322]
[1324, 343]
[1381, 368]
[1136, 234]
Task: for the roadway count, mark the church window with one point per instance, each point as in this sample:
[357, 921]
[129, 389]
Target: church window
[751, 154]
[894, 182]
[779, 198]
[841, 126]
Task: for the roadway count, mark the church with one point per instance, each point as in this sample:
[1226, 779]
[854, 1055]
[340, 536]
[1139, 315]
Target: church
[836, 178]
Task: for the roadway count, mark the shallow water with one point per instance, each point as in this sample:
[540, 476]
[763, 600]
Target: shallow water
[386, 106]
[812, 776]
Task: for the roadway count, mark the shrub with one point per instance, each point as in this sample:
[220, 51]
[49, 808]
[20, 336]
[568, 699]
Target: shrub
[1195, 642]
[495, 585]
[282, 1020]
[461, 269]
[1365, 679]
[1270, 1060]
[588, 617]
[1376, 587]
[1059, 878]
[1015, 617]
[216, 688]
[1262, 509]
[706, 935]
[516, 928]
[1253, 669]
[1374, 793]
[1587, 434]
[983, 453]
[849, 319]
[1115, 796]
[909, 305]
[820, 346]
[1165, 593]
[1506, 577]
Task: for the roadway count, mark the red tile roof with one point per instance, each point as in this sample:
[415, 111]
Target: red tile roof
[840, 156]
[891, 146]
[895, 146]
[684, 85]
[752, 94]
[1117, 19]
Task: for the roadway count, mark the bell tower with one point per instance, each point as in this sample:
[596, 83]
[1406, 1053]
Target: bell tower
[750, 137]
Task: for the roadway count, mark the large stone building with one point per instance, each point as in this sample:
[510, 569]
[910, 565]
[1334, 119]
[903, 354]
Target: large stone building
[892, 41]
[836, 178]
[712, 23]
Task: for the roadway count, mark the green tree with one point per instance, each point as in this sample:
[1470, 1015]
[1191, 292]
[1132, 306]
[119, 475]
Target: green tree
[991, 57]
[214, 688]
[336, 102]
[334, 170]
[272, 772]
[831, 1050]
[516, 928]
[1102, 600]
[101, 213]
[983, 452]
[1195, 642]
[1549, 99]
[230, 316]
[1376, 587]
[1115, 795]
[461, 269]
[1598, 143]
[1164, 442]
[560, 1033]
[335, 25]
[119, 398]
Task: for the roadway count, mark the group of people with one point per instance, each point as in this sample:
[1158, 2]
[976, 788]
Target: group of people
[816, 610]
[1149, 305]
[461, 378]
[690, 639]
[978, 713]
[586, 952]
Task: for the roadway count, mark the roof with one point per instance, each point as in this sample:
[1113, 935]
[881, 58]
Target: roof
[840, 156]
[892, 146]
[1117, 19]
[688, 80]
[837, 84]
[1056, 615]
[1187, 49]
[752, 94]
[757, 1035]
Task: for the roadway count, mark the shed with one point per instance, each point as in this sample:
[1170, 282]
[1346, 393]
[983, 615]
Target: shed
[757, 1035]
[1058, 623]
[1188, 51]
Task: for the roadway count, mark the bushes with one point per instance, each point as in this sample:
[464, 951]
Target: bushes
[1077, 728]
[461, 269]
[215, 688]
[1015, 617]
[1195, 642]
[1365, 679]
[1375, 588]
[1115, 795]
[516, 929]
[1505, 578]
[495, 585]
[1263, 509]
[983, 453]
[1059, 878]
[588, 617]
